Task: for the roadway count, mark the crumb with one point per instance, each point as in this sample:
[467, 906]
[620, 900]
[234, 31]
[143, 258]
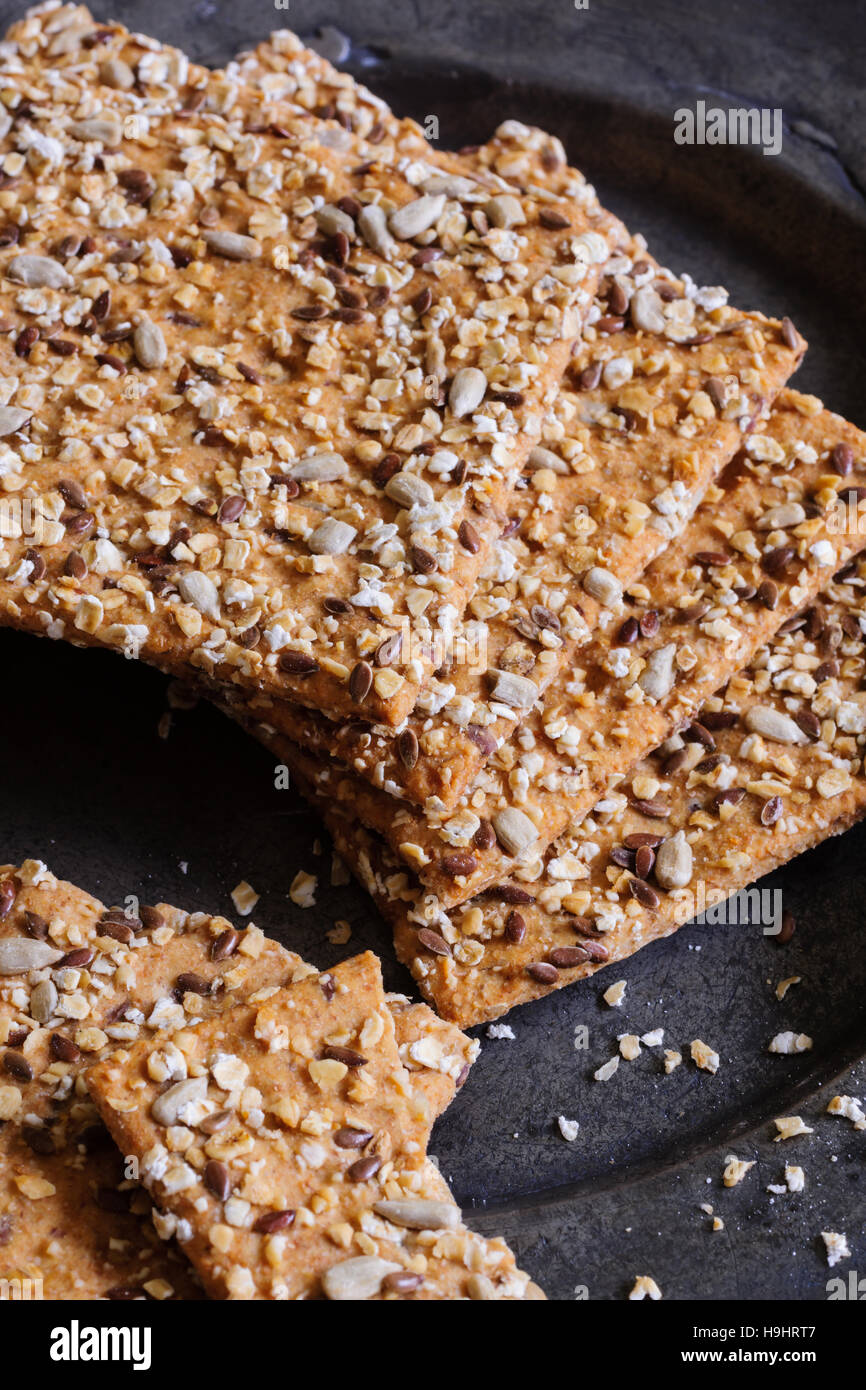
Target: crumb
[339, 933]
[644, 1287]
[568, 1129]
[784, 985]
[163, 728]
[672, 1060]
[501, 1030]
[794, 1177]
[615, 994]
[317, 847]
[718, 1223]
[788, 1043]
[736, 1170]
[653, 1039]
[303, 889]
[790, 1126]
[629, 1046]
[704, 1057]
[184, 866]
[244, 898]
[705, 1207]
[849, 1108]
[837, 1246]
[605, 1072]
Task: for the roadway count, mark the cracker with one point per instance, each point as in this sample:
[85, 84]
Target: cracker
[244, 493]
[636, 452]
[317, 1184]
[773, 767]
[690, 631]
[88, 1237]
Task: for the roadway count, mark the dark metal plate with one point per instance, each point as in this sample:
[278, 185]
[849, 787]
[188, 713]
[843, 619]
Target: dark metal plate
[89, 786]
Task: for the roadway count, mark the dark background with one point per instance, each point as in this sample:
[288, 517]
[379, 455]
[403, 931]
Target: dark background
[88, 785]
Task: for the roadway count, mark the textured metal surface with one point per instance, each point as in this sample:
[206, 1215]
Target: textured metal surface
[89, 786]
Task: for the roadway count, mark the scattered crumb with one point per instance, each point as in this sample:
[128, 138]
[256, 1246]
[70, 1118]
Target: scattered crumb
[849, 1108]
[317, 848]
[606, 1072]
[568, 1129]
[163, 728]
[653, 1039]
[184, 866]
[788, 1043]
[672, 1060]
[790, 1126]
[705, 1207]
[837, 1246]
[303, 889]
[644, 1287]
[736, 1170]
[339, 933]
[340, 875]
[794, 1177]
[784, 985]
[629, 1046]
[501, 1030]
[615, 994]
[718, 1223]
[244, 897]
[704, 1057]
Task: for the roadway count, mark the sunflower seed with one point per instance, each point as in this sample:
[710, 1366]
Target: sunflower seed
[408, 490]
[38, 272]
[319, 468]
[332, 537]
[657, 679]
[106, 129]
[232, 245]
[420, 1214]
[148, 344]
[518, 692]
[515, 831]
[602, 585]
[357, 1279]
[504, 211]
[414, 218]
[373, 226]
[781, 517]
[43, 1001]
[331, 220]
[166, 1109]
[199, 590]
[539, 457]
[12, 418]
[674, 862]
[18, 954]
[467, 391]
[646, 310]
[117, 74]
[771, 723]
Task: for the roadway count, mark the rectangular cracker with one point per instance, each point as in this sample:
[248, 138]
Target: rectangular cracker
[316, 1184]
[67, 1216]
[633, 456]
[773, 769]
[619, 700]
[187, 450]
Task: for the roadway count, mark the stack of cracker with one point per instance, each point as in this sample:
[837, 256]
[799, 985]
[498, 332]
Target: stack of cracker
[424, 469]
[276, 1117]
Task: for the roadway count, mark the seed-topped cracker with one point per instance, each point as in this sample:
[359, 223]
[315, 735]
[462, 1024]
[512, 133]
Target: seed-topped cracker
[745, 564]
[772, 766]
[662, 390]
[77, 981]
[288, 1159]
[252, 374]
